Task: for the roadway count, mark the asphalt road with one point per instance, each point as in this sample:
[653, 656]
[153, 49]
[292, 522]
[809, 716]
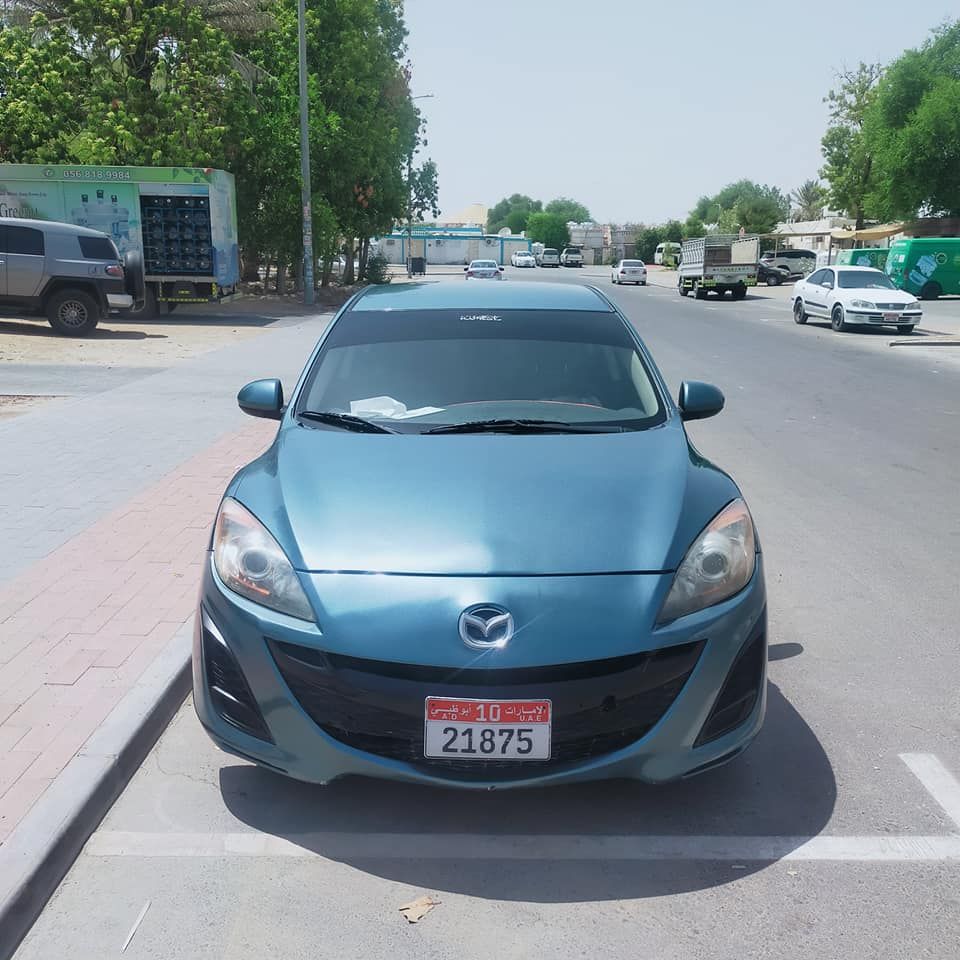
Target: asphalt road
[835, 836]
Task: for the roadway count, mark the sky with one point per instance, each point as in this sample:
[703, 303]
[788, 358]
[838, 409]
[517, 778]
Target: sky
[637, 108]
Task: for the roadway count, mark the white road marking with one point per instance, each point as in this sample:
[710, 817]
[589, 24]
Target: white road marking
[466, 846]
[939, 782]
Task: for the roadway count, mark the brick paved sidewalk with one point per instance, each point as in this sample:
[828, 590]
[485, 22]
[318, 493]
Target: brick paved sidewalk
[79, 627]
[105, 509]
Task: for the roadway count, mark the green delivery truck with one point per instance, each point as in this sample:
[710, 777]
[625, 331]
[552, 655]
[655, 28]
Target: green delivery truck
[182, 220]
[927, 267]
[864, 257]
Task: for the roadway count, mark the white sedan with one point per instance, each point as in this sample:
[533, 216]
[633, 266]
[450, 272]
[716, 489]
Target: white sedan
[629, 271]
[523, 258]
[483, 270]
[849, 296]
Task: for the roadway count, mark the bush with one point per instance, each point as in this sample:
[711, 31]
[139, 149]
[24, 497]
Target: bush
[378, 269]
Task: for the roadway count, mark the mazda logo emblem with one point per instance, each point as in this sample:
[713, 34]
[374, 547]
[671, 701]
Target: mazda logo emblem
[486, 626]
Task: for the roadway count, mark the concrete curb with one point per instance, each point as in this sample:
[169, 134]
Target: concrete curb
[44, 845]
[925, 342]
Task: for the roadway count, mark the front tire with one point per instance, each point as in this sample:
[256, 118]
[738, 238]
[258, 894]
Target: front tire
[698, 292]
[73, 313]
[906, 330]
[836, 319]
[799, 314]
[740, 292]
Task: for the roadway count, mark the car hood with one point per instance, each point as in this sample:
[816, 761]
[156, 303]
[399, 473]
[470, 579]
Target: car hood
[484, 504]
[875, 295]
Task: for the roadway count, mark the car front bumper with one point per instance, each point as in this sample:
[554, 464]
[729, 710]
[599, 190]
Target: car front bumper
[878, 317]
[285, 695]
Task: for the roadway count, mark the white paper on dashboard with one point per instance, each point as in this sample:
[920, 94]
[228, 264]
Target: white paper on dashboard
[388, 407]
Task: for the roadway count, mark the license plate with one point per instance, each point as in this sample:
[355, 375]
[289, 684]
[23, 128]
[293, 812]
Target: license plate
[891, 316]
[457, 729]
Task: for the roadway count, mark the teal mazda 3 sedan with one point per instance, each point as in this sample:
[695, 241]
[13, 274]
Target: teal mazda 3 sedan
[482, 552]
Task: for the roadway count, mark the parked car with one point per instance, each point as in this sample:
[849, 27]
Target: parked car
[772, 275]
[925, 266]
[72, 274]
[571, 257]
[548, 258]
[483, 270]
[629, 271]
[847, 296]
[523, 258]
[798, 263]
[385, 618]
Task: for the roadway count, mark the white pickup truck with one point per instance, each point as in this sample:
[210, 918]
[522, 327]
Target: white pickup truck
[719, 263]
[571, 257]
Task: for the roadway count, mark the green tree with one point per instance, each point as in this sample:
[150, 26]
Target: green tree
[848, 159]
[694, 227]
[569, 210]
[809, 198]
[673, 231]
[136, 82]
[648, 238]
[548, 229]
[512, 212]
[912, 131]
[759, 203]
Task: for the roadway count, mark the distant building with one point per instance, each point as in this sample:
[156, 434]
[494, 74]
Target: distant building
[811, 234]
[443, 244]
[474, 215]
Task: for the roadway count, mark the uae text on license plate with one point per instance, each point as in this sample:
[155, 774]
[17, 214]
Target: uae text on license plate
[456, 729]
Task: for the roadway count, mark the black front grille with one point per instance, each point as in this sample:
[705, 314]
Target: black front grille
[740, 690]
[229, 693]
[377, 706]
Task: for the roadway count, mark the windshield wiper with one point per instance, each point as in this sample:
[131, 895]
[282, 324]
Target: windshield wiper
[345, 420]
[524, 426]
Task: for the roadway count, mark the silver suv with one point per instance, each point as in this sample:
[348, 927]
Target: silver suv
[72, 274]
[798, 263]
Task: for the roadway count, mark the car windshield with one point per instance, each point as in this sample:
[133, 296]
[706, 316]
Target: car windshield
[632, 263]
[864, 280]
[483, 265]
[421, 369]
[550, 251]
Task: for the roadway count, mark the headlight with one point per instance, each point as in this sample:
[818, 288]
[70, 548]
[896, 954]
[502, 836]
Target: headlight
[863, 304]
[251, 563]
[719, 564]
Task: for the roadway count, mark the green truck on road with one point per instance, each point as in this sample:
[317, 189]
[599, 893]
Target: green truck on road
[182, 220]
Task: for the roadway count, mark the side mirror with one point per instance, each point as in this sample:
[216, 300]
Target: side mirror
[262, 398]
[697, 400]
[465, 269]
[501, 269]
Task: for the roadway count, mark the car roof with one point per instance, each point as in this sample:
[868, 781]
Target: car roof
[49, 225]
[515, 295]
[852, 268]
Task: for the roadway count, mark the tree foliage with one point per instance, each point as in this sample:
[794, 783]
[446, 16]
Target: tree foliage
[755, 207]
[569, 210]
[550, 229]
[213, 83]
[911, 130]
[848, 160]
[809, 198]
[512, 212]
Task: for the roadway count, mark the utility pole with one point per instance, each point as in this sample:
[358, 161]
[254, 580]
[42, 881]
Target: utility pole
[426, 96]
[308, 291]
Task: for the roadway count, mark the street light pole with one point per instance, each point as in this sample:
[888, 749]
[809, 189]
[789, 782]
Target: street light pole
[305, 191]
[425, 96]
